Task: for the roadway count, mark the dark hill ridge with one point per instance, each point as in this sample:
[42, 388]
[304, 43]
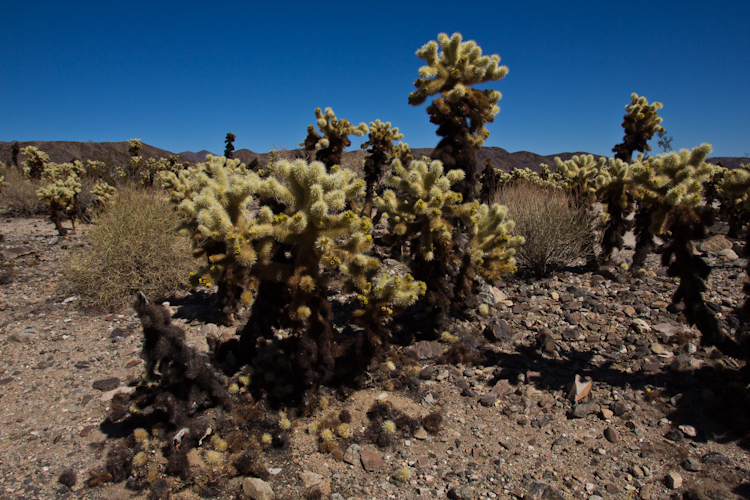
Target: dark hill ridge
[66, 151]
[117, 152]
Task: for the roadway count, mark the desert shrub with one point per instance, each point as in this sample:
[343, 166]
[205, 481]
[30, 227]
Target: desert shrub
[19, 193]
[133, 247]
[557, 232]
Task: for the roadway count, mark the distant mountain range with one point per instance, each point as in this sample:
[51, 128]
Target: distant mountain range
[117, 152]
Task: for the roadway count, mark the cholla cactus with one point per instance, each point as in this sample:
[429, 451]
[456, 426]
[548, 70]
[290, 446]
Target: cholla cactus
[293, 253]
[581, 173]
[35, 161]
[330, 146]
[105, 195]
[379, 146]
[135, 147]
[613, 189]
[229, 141]
[640, 123]
[214, 197]
[62, 194]
[672, 185]
[460, 111]
[422, 210]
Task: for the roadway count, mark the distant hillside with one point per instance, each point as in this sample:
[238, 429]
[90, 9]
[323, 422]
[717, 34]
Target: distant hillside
[66, 151]
[117, 152]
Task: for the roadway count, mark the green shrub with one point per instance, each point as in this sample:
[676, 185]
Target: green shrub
[134, 246]
[557, 233]
[19, 193]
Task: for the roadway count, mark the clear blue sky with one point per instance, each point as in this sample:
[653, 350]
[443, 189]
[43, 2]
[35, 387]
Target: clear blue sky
[180, 75]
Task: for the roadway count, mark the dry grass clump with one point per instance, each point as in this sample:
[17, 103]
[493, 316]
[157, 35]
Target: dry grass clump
[557, 233]
[134, 246]
[19, 193]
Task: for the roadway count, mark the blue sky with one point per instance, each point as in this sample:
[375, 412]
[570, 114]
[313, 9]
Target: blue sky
[180, 75]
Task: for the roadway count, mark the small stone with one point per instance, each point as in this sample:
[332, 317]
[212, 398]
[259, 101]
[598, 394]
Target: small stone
[691, 464]
[497, 330]
[536, 491]
[674, 481]
[629, 311]
[647, 492]
[25, 336]
[650, 367]
[688, 430]
[106, 384]
[607, 414]
[729, 254]
[462, 492]
[640, 326]
[351, 456]
[584, 409]
[580, 389]
[611, 435]
[656, 348]
[311, 480]
[714, 458]
[488, 398]
[612, 489]
[420, 434]
[659, 304]
[371, 461]
[502, 387]
[257, 489]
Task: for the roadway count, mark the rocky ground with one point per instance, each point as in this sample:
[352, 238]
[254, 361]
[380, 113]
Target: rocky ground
[662, 417]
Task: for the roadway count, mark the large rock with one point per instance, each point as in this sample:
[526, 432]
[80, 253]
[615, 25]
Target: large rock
[426, 349]
[715, 245]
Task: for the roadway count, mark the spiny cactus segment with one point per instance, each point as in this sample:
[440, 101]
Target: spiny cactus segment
[329, 147]
[640, 123]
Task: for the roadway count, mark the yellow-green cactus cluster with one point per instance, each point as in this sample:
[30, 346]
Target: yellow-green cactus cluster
[35, 162]
[62, 194]
[640, 123]
[458, 65]
[671, 180]
[215, 197]
[613, 182]
[490, 244]
[734, 187]
[402, 152]
[330, 146]
[450, 73]
[581, 174]
[382, 133]
[428, 202]
[526, 175]
[105, 194]
[394, 290]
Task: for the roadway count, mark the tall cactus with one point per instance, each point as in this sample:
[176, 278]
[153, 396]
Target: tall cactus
[672, 183]
[640, 123]
[61, 195]
[460, 112]
[35, 162]
[329, 147]
[380, 146]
